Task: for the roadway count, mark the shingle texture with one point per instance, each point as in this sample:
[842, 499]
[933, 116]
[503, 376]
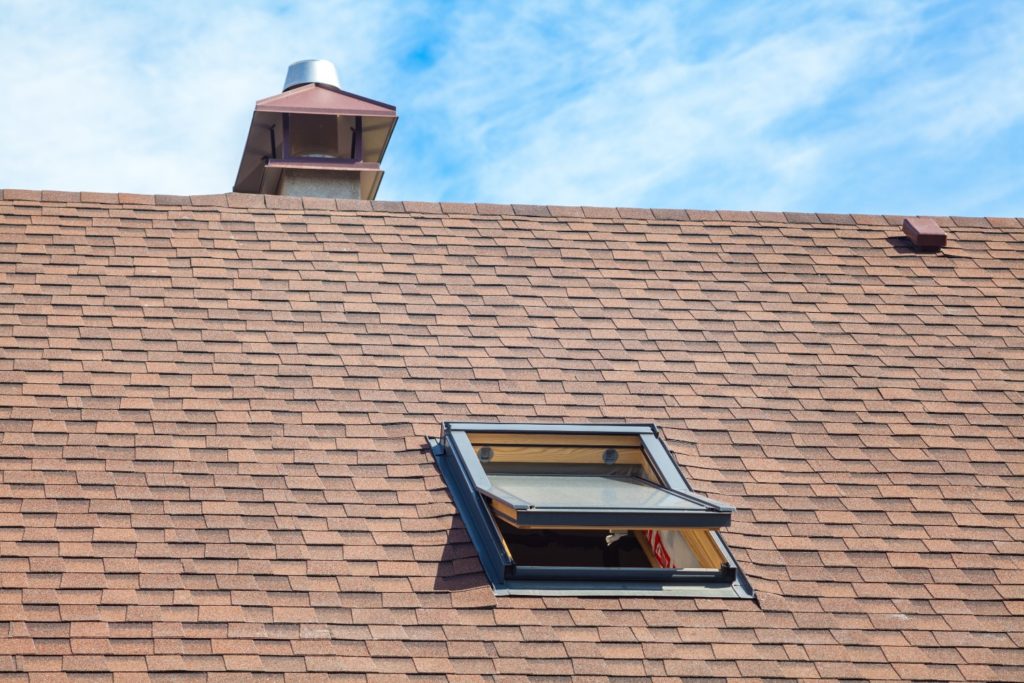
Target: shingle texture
[212, 412]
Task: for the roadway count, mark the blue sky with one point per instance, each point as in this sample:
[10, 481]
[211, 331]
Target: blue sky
[876, 107]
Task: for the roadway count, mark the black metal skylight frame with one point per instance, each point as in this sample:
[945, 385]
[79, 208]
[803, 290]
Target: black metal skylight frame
[523, 512]
[466, 479]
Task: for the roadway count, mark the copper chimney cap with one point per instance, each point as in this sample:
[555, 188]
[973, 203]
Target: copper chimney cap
[312, 71]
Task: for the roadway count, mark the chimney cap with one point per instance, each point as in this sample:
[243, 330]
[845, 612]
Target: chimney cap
[309, 71]
[269, 152]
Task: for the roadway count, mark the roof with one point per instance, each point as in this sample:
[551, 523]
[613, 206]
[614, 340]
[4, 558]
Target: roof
[213, 414]
[315, 98]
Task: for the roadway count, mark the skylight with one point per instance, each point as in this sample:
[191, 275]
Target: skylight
[585, 509]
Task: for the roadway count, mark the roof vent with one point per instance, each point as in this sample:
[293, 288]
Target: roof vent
[309, 71]
[924, 233]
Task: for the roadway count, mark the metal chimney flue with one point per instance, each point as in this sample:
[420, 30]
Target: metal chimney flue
[319, 71]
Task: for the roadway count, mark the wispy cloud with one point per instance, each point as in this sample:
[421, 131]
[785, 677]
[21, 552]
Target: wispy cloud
[150, 96]
[883, 106]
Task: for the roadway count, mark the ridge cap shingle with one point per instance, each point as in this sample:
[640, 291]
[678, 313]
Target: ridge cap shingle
[238, 200]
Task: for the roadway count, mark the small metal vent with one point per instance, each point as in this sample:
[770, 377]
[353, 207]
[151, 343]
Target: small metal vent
[924, 233]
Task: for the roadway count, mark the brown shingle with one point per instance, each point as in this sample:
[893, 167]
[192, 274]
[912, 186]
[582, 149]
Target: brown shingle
[211, 410]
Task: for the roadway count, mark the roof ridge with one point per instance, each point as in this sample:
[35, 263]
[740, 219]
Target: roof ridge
[275, 202]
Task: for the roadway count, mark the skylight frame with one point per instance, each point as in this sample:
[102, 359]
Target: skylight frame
[526, 514]
[463, 472]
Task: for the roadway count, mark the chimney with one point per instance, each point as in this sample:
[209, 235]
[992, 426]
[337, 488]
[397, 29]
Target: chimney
[315, 139]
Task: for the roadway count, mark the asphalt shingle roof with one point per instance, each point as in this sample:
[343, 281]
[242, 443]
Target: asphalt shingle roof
[212, 414]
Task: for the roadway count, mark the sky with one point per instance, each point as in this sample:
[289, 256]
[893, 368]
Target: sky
[904, 107]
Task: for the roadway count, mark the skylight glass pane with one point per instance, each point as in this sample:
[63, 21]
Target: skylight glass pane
[590, 491]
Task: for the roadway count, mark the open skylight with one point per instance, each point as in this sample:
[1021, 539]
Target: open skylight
[585, 509]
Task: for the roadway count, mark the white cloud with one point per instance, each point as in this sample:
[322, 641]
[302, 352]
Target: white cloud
[152, 97]
[632, 111]
[958, 89]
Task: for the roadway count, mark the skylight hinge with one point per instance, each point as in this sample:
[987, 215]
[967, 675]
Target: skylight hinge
[436, 447]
